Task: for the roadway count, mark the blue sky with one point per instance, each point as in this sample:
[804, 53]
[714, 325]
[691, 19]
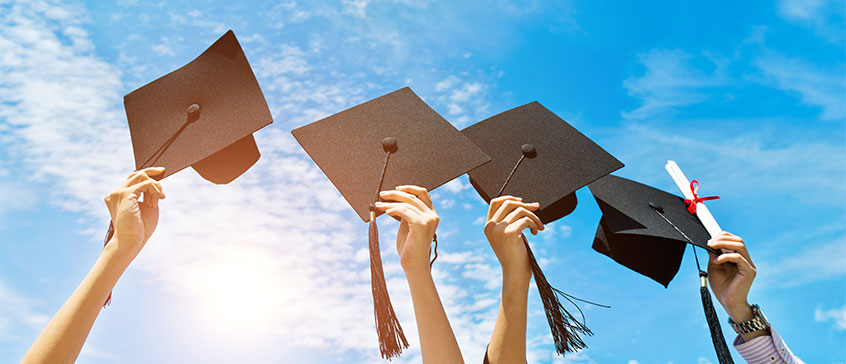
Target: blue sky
[749, 98]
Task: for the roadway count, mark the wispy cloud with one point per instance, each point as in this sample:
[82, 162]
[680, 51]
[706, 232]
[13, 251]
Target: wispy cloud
[16, 310]
[837, 316]
[816, 262]
[279, 236]
[827, 18]
[825, 89]
[671, 80]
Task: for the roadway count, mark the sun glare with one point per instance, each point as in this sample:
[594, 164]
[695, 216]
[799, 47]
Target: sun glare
[240, 293]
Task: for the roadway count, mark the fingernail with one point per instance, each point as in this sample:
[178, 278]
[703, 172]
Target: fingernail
[381, 193]
[535, 204]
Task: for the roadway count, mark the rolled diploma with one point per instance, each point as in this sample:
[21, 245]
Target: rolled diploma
[701, 210]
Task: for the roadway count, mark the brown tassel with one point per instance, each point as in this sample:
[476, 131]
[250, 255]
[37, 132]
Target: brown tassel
[723, 354]
[109, 233]
[564, 327]
[387, 324]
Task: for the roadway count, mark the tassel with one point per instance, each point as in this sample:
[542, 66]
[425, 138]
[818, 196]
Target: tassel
[387, 324]
[564, 327]
[109, 233]
[723, 354]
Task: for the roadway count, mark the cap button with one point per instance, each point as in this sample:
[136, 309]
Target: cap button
[529, 151]
[193, 112]
[389, 144]
[656, 207]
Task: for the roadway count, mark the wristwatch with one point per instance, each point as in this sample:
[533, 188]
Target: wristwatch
[758, 322]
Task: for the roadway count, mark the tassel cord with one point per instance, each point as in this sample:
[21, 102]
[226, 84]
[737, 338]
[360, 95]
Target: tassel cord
[720, 346]
[110, 231]
[391, 337]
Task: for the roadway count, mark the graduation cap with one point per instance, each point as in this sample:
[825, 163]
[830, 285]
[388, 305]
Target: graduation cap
[201, 115]
[395, 139]
[648, 230]
[539, 157]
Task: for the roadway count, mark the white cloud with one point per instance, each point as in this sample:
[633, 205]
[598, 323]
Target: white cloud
[164, 48]
[823, 88]
[633, 361]
[671, 80]
[225, 244]
[837, 316]
[809, 170]
[289, 59]
[455, 186]
[824, 17]
[16, 310]
[813, 263]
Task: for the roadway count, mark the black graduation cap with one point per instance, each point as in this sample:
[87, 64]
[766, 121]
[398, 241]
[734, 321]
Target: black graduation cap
[644, 228]
[393, 140]
[201, 115]
[541, 158]
[648, 230]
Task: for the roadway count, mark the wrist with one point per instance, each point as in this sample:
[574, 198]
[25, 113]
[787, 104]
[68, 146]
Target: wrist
[118, 254]
[740, 312]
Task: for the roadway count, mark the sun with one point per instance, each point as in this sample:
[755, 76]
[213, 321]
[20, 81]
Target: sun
[240, 292]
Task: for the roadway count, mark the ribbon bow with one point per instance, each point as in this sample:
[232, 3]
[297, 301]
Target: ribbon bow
[691, 204]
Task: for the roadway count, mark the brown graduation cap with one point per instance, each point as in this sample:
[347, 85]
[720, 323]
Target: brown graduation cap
[393, 140]
[201, 115]
[648, 230]
[541, 158]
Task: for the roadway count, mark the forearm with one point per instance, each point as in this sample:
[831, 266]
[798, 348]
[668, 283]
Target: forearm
[63, 337]
[437, 341]
[508, 341]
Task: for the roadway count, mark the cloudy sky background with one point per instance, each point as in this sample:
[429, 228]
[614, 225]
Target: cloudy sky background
[748, 98]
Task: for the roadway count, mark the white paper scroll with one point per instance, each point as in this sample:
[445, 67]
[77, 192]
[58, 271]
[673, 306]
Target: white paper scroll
[684, 186]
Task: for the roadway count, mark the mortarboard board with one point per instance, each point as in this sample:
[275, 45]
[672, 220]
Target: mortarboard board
[648, 230]
[539, 157]
[395, 139]
[201, 115]
[634, 228]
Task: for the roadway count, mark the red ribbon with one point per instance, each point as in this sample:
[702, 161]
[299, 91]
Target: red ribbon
[691, 204]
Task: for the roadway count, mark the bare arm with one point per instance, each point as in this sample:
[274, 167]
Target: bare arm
[417, 228]
[507, 218]
[134, 222]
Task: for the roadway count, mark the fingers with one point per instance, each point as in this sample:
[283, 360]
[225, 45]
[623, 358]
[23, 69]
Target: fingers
[402, 211]
[728, 241]
[495, 203]
[527, 222]
[405, 197]
[520, 213]
[152, 191]
[418, 191]
[143, 175]
[737, 259]
[508, 206]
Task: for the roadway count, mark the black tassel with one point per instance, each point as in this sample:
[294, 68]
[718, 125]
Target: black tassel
[564, 327]
[109, 233]
[723, 354]
[387, 324]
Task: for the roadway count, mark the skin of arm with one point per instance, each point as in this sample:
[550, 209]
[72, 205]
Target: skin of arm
[418, 221]
[134, 221]
[507, 217]
[731, 282]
